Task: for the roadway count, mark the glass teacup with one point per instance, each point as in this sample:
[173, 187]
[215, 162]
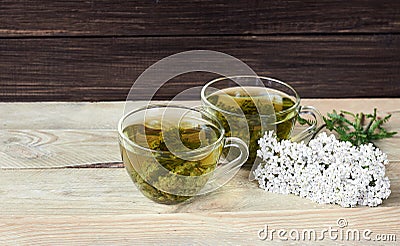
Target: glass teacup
[172, 153]
[248, 106]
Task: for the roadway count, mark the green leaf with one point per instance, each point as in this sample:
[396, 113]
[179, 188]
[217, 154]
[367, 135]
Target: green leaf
[351, 127]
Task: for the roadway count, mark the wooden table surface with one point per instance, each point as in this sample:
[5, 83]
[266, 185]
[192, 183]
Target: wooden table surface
[61, 182]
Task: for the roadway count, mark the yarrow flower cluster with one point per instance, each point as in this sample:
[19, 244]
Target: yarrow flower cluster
[325, 171]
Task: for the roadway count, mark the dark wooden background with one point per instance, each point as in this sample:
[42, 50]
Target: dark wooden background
[93, 50]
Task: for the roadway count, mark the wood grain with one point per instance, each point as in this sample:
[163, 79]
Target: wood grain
[86, 206]
[109, 191]
[61, 115]
[57, 148]
[93, 69]
[105, 115]
[199, 17]
[49, 135]
[191, 229]
[94, 50]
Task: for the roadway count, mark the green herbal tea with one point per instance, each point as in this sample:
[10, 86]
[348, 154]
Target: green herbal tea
[142, 163]
[253, 102]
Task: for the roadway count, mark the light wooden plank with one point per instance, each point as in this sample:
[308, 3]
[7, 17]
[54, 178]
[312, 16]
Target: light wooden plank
[55, 115]
[45, 135]
[110, 191]
[67, 115]
[106, 191]
[366, 105]
[105, 115]
[48, 135]
[224, 228]
[102, 206]
[57, 148]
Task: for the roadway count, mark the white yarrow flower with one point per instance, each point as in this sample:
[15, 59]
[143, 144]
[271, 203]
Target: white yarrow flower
[325, 171]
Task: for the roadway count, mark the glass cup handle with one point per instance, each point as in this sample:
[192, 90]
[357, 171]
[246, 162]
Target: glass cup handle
[240, 159]
[312, 129]
[227, 169]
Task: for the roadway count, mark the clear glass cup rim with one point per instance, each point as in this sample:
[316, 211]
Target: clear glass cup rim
[209, 104]
[150, 106]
